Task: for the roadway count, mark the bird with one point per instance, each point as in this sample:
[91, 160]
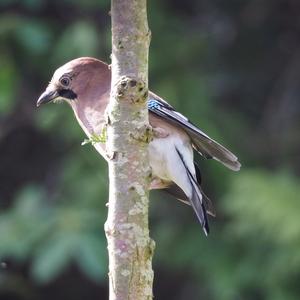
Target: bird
[85, 83]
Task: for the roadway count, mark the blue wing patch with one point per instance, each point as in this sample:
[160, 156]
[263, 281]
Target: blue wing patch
[153, 104]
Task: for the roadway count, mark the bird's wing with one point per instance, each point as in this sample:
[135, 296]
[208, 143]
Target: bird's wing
[202, 143]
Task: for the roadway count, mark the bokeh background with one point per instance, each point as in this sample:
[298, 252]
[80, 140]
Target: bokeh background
[233, 67]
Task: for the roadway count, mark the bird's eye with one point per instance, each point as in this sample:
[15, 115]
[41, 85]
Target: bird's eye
[65, 81]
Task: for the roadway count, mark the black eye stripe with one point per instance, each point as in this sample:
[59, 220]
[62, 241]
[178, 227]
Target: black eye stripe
[66, 93]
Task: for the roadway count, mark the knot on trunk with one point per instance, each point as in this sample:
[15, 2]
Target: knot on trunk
[133, 89]
[143, 134]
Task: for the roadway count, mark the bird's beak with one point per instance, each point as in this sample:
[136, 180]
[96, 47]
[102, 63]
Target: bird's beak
[47, 96]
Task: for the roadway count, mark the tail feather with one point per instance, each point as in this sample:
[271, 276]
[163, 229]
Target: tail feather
[196, 199]
[175, 191]
[207, 202]
[198, 205]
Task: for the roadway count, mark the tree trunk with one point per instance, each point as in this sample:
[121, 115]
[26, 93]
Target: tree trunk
[129, 245]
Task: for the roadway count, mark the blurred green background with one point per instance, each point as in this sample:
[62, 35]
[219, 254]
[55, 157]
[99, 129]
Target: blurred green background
[233, 67]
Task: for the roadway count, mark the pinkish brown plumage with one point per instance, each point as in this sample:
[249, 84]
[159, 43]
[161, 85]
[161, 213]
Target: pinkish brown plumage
[85, 84]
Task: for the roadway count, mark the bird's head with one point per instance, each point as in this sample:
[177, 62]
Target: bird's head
[82, 79]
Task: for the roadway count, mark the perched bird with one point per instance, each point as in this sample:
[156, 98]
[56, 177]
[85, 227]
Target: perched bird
[85, 84]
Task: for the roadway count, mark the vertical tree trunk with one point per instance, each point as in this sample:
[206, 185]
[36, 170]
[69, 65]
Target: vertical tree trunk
[129, 245]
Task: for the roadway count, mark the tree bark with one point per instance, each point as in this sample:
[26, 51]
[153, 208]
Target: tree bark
[129, 245]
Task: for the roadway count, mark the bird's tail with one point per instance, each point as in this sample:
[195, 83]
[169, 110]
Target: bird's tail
[196, 198]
